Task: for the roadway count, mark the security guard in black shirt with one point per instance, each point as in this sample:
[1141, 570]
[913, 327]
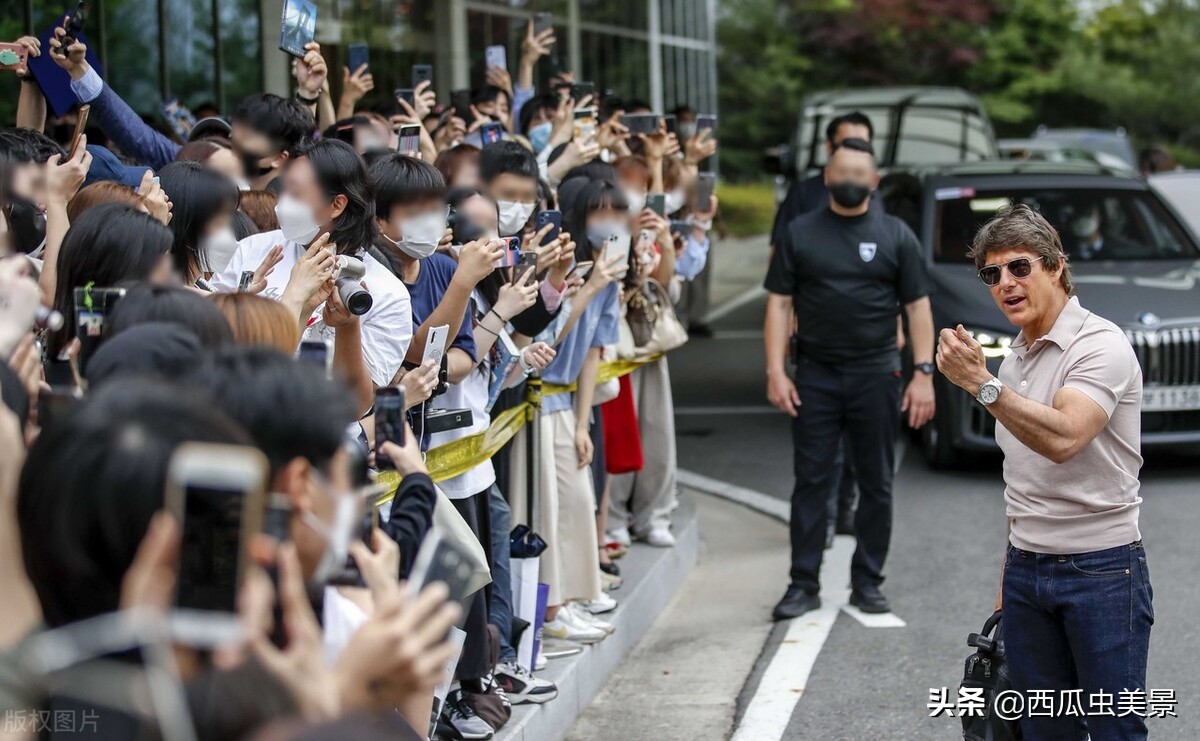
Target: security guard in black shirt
[843, 270]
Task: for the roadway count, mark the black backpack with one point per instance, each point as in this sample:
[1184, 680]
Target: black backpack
[986, 668]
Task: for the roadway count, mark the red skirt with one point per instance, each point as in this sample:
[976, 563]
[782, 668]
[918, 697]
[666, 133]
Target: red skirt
[622, 438]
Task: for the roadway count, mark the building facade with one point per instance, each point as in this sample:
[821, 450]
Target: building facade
[218, 51]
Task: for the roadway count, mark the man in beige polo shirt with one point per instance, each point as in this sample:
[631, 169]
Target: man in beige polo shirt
[1076, 590]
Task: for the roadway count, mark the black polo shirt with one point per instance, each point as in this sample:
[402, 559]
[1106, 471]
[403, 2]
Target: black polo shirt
[846, 276]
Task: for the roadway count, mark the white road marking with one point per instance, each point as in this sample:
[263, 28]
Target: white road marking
[786, 678]
[735, 303]
[885, 620]
[744, 409]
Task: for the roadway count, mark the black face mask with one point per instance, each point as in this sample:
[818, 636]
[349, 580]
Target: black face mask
[27, 224]
[849, 195]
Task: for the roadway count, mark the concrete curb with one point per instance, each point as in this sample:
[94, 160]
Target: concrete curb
[651, 577]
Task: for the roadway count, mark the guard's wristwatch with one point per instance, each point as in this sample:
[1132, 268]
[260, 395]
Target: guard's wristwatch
[989, 392]
[926, 368]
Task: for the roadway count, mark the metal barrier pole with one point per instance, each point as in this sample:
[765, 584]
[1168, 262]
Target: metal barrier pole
[533, 457]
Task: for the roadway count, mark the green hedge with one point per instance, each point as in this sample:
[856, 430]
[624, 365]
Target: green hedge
[747, 208]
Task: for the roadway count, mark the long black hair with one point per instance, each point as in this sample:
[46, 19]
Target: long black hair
[146, 303]
[577, 201]
[109, 244]
[198, 195]
[340, 171]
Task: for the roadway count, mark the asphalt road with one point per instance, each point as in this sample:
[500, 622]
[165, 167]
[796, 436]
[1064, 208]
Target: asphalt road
[942, 573]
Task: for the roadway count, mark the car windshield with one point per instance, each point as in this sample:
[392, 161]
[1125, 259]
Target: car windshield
[928, 135]
[1181, 190]
[1093, 224]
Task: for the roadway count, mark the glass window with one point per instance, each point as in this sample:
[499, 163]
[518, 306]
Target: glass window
[1094, 224]
[241, 52]
[616, 63]
[624, 13]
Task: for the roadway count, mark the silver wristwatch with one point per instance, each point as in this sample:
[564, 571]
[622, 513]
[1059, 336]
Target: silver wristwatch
[989, 392]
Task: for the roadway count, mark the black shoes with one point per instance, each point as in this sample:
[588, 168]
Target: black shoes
[795, 603]
[868, 598]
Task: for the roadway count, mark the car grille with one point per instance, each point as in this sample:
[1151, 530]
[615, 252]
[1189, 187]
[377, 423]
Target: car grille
[1169, 357]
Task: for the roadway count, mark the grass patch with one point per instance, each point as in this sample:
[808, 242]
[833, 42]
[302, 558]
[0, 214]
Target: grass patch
[748, 209]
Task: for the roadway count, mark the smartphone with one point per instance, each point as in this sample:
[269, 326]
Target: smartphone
[512, 252]
[217, 493]
[92, 307]
[421, 73]
[298, 26]
[245, 281]
[13, 56]
[618, 244]
[542, 22]
[496, 56]
[672, 124]
[641, 123]
[585, 123]
[410, 140]
[461, 101]
[319, 353]
[74, 26]
[389, 422]
[705, 121]
[580, 90]
[56, 402]
[525, 261]
[440, 560]
[657, 202]
[705, 183]
[583, 268]
[358, 55]
[549, 216]
[365, 525]
[407, 95]
[435, 344]
[679, 228]
[80, 127]
[491, 133]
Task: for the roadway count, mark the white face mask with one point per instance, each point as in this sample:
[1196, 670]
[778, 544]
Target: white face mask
[1085, 226]
[336, 536]
[218, 248]
[296, 220]
[513, 215]
[675, 200]
[420, 235]
[637, 201]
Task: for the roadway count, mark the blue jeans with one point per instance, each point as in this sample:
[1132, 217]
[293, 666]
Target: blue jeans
[500, 612]
[1079, 621]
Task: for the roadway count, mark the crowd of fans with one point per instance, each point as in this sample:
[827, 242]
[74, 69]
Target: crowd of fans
[154, 294]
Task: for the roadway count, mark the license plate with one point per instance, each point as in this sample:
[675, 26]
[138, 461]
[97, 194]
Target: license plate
[1170, 398]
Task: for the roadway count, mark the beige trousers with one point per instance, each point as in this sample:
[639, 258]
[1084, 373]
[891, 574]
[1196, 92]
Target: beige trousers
[567, 514]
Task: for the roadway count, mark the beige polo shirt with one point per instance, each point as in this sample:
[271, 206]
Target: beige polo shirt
[1090, 502]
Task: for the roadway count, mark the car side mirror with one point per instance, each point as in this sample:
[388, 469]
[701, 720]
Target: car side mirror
[778, 160]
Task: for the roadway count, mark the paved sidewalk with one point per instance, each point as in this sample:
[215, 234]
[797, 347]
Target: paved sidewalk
[739, 265]
[681, 682]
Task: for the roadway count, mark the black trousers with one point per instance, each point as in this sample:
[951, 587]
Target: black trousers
[865, 407]
[476, 659]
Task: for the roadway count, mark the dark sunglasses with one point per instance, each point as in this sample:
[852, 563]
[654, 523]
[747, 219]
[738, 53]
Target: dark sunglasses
[1019, 268]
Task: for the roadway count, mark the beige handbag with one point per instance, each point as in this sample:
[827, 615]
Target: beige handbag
[456, 529]
[669, 333]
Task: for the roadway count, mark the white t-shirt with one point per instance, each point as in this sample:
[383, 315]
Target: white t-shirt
[341, 618]
[471, 394]
[386, 328]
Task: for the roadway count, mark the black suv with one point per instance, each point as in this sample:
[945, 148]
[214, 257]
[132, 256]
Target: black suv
[1142, 273]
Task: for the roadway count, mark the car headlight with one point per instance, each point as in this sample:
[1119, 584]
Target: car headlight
[995, 345]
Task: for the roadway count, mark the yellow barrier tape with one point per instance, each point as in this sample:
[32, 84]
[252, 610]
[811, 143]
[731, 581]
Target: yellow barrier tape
[456, 458]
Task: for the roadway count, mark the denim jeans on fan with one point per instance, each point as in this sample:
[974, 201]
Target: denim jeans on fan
[1079, 621]
[501, 606]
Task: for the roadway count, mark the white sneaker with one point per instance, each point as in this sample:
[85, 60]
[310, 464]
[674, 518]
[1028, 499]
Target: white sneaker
[620, 535]
[601, 605]
[660, 537]
[566, 627]
[581, 616]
